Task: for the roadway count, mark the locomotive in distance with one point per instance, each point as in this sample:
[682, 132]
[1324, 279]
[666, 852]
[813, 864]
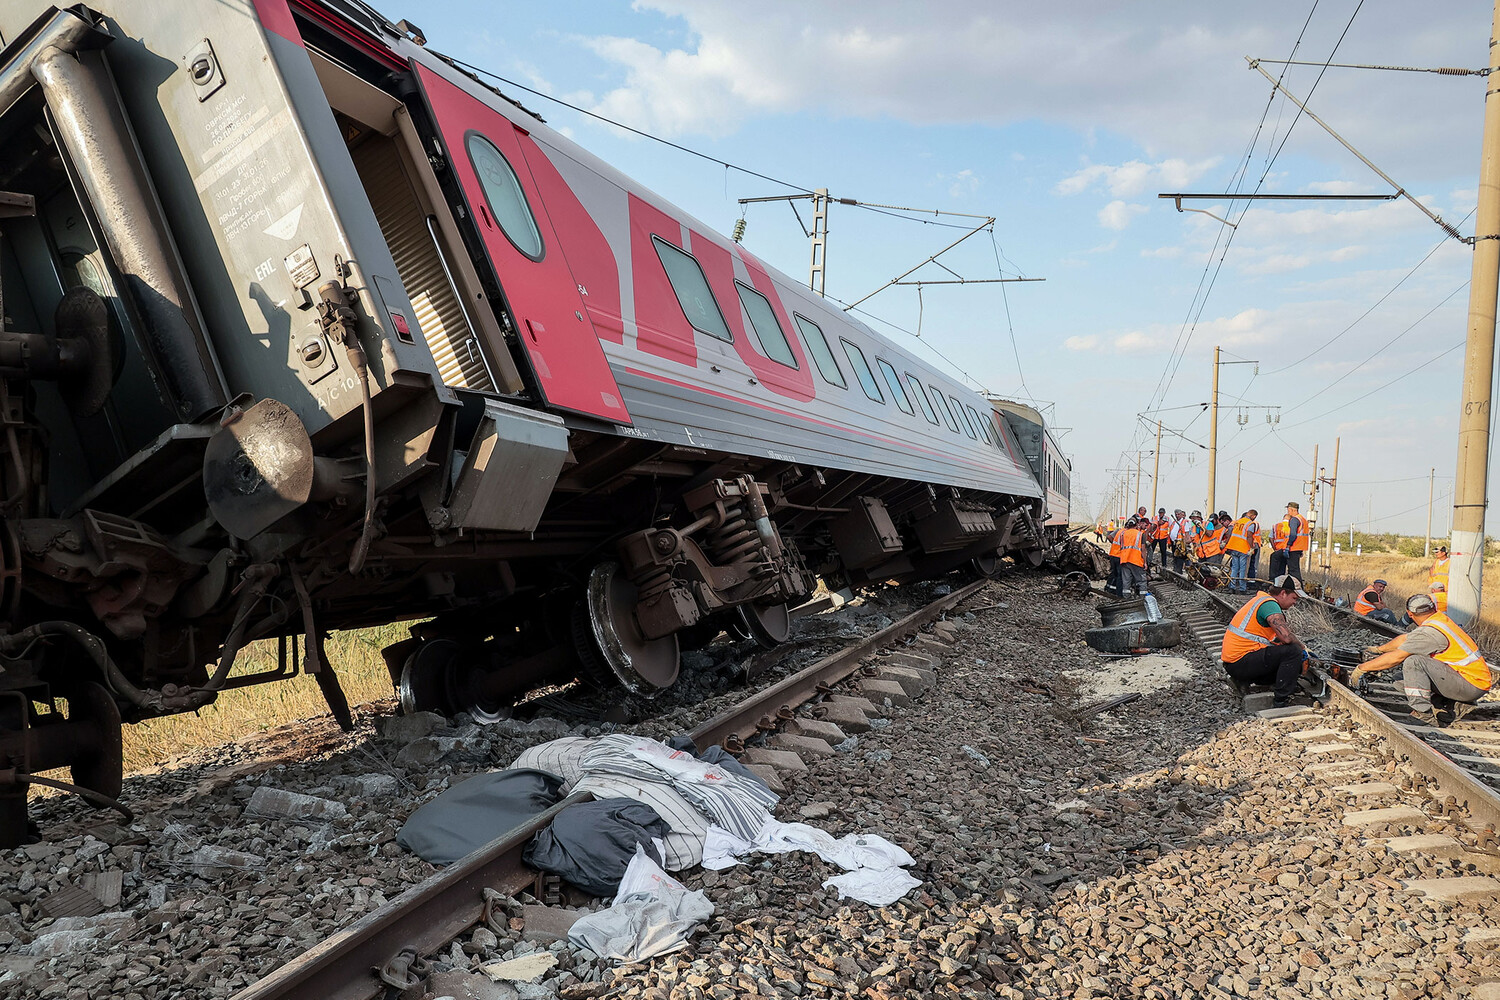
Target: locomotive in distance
[306, 329]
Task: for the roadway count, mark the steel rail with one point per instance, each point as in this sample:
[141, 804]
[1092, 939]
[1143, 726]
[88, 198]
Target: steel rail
[423, 918]
[1448, 777]
[427, 916]
[746, 718]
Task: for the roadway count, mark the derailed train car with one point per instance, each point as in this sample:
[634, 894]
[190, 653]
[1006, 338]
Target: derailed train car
[1052, 468]
[307, 329]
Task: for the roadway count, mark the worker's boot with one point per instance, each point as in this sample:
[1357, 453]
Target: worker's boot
[1428, 717]
[1461, 709]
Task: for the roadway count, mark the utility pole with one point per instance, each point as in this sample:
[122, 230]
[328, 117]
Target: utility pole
[1239, 468]
[1312, 493]
[1427, 542]
[1156, 467]
[817, 274]
[1213, 428]
[1213, 433]
[1138, 469]
[1333, 492]
[1466, 578]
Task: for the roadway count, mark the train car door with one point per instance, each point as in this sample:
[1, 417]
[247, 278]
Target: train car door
[486, 158]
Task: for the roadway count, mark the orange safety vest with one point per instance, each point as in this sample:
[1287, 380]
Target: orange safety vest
[1133, 547]
[1279, 532]
[1163, 529]
[1362, 606]
[1441, 600]
[1462, 654]
[1211, 545]
[1239, 537]
[1257, 539]
[1438, 573]
[1245, 634]
[1298, 544]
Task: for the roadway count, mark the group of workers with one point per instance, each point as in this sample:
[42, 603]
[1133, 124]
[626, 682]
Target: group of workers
[1189, 536]
[1443, 671]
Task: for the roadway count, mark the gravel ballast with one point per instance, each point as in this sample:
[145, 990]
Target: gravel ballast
[1169, 847]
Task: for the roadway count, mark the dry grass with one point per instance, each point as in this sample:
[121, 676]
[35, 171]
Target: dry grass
[1406, 576]
[245, 711]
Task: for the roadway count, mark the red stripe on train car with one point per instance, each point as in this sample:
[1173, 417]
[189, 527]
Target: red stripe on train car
[276, 17]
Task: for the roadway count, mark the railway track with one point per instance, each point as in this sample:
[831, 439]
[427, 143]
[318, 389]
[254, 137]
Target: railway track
[386, 947]
[1461, 762]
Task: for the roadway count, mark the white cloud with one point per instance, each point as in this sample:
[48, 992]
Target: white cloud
[1338, 187]
[1167, 253]
[1086, 343]
[1130, 179]
[960, 184]
[1117, 214]
[966, 61]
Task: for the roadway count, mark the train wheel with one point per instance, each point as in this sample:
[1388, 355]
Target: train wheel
[769, 626]
[427, 678]
[987, 565]
[646, 667]
[103, 769]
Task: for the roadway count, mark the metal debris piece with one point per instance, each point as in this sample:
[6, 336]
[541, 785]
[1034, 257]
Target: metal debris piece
[72, 901]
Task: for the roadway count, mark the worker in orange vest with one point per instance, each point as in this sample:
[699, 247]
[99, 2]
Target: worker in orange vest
[1297, 537]
[1183, 538]
[1259, 647]
[1112, 585]
[1278, 548]
[1439, 594]
[1211, 543]
[1257, 539]
[1133, 542]
[1439, 571]
[1161, 533]
[1238, 547]
[1371, 604]
[1437, 654]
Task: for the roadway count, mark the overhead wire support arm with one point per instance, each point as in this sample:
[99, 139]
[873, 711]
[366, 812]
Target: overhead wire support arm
[1255, 64]
[989, 220]
[1439, 70]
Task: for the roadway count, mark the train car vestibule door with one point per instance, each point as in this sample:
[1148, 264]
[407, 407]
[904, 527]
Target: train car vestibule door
[502, 196]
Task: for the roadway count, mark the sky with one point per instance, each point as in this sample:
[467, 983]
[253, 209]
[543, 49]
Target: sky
[1064, 122]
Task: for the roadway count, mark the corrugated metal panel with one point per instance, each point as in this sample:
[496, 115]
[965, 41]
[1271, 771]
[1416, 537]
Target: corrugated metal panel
[405, 229]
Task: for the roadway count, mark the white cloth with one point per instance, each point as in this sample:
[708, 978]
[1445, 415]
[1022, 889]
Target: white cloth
[873, 863]
[876, 886]
[654, 914]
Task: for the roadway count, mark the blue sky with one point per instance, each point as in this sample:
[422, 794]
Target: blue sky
[1064, 124]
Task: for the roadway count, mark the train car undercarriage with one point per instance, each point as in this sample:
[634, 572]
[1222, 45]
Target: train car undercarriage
[165, 501]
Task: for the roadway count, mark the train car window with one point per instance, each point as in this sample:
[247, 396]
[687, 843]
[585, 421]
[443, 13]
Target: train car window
[979, 425]
[693, 294]
[942, 408]
[963, 421]
[503, 195]
[894, 381]
[862, 370]
[812, 336]
[916, 390]
[765, 326]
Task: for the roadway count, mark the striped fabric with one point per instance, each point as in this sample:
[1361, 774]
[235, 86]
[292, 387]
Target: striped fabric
[562, 757]
[683, 847]
[737, 804]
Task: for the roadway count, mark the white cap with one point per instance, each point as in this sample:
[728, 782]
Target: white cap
[1288, 581]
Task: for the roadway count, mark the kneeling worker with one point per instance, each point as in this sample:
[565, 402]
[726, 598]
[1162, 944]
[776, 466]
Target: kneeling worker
[1436, 654]
[1259, 647]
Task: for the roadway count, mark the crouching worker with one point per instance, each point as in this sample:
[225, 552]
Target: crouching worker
[1437, 654]
[1259, 647]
